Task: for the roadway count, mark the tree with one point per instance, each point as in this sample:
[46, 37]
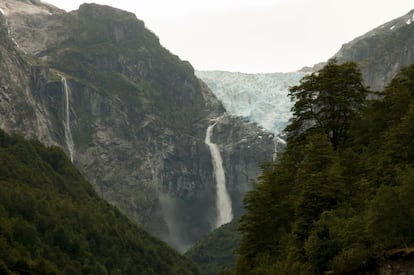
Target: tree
[319, 184]
[267, 218]
[327, 100]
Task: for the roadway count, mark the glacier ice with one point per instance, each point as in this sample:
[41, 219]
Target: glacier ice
[260, 98]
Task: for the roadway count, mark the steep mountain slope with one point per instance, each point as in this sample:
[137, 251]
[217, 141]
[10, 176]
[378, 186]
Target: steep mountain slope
[133, 116]
[382, 52]
[53, 222]
[260, 98]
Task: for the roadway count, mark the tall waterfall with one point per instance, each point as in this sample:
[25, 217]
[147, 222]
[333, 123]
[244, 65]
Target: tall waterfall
[276, 141]
[223, 201]
[68, 133]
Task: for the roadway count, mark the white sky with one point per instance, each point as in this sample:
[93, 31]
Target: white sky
[256, 35]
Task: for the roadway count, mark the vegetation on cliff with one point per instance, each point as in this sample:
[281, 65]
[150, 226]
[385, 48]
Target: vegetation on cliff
[335, 200]
[53, 222]
[113, 52]
[138, 116]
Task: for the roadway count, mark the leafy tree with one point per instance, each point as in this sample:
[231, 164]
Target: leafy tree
[318, 179]
[268, 216]
[327, 100]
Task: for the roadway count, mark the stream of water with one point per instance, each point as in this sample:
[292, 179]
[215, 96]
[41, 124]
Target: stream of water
[68, 133]
[223, 201]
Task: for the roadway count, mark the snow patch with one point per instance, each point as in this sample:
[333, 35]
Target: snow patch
[281, 141]
[393, 27]
[410, 20]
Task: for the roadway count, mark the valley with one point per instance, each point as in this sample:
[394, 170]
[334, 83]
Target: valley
[175, 150]
[130, 115]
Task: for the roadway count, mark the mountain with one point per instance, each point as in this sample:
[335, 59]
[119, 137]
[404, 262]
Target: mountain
[132, 116]
[260, 98]
[382, 52]
[53, 222]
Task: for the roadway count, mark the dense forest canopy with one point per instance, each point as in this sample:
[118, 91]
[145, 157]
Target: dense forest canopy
[217, 250]
[327, 101]
[342, 193]
[53, 222]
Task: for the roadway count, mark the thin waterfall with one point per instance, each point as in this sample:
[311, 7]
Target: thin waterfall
[68, 133]
[276, 141]
[223, 201]
[6, 23]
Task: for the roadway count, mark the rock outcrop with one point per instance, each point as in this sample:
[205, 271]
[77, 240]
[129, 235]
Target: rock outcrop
[382, 52]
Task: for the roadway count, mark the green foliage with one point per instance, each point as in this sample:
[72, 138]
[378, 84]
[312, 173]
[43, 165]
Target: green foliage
[269, 212]
[335, 205]
[217, 251]
[52, 221]
[327, 100]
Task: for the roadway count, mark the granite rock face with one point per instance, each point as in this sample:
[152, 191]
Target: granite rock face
[137, 114]
[382, 52]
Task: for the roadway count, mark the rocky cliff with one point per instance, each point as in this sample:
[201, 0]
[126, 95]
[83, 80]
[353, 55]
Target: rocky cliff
[382, 52]
[98, 84]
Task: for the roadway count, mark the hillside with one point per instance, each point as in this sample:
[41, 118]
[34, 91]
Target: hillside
[216, 251]
[53, 222]
[382, 52]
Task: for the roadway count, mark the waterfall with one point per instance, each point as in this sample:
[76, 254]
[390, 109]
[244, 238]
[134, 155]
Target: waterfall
[223, 201]
[6, 23]
[276, 141]
[68, 133]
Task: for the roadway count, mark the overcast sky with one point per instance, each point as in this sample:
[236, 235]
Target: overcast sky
[256, 35]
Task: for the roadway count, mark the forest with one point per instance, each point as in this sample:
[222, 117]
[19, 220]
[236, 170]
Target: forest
[342, 193]
[53, 222]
